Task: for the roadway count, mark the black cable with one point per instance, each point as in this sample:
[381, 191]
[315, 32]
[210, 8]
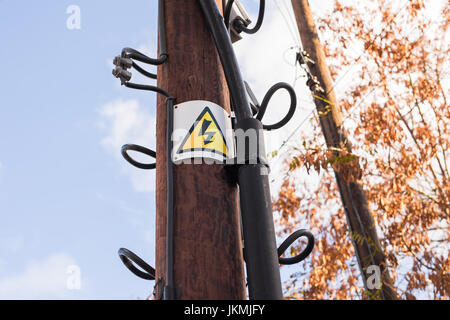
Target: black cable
[268, 96]
[162, 29]
[259, 236]
[228, 59]
[290, 240]
[134, 147]
[227, 13]
[239, 25]
[147, 88]
[142, 71]
[128, 258]
[134, 54]
[169, 288]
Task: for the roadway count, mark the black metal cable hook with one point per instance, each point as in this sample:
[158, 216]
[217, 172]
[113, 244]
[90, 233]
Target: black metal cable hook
[170, 291]
[259, 110]
[128, 258]
[141, 149]
[268, 96]
[289, 241]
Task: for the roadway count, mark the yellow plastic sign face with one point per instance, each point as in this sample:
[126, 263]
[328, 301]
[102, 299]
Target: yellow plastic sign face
[205, 135]
[202, 129]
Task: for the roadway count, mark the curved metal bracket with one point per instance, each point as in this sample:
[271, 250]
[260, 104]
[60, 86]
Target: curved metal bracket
[128, 258]
[141, 149]
[268, 96]
[290, 240]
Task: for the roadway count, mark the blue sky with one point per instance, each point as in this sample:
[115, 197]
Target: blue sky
[62, 194]
[66, 195]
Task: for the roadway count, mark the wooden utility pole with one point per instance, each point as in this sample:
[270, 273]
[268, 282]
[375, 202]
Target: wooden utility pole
[359, 218]
[208, 260]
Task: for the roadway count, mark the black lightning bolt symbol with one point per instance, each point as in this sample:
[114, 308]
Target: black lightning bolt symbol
[203, 132]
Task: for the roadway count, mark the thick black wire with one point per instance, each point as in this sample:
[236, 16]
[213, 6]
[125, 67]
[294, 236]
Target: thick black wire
[290, 240]
[143, 72]
[227, 13]
[268, 96]
[147, 87]
[128, 258]
[162, 29]
[238, 24]
[141, 149]
[265, 278]
[134, 54]
[228, 59]
[169, 290]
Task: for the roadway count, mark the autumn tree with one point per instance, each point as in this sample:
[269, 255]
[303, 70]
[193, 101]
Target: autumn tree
[392, 57]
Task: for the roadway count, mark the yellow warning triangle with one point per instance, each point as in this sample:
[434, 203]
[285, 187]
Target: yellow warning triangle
[205, 135]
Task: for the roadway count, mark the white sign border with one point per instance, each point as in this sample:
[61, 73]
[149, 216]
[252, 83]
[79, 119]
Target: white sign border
[184, 116]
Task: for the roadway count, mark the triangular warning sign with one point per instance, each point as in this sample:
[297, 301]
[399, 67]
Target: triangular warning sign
[205, 135]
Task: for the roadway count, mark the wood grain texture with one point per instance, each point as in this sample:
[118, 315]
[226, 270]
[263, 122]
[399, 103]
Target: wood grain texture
[207, 245]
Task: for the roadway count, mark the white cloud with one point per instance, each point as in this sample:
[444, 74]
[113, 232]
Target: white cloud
[46, 279]
[127, 122]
